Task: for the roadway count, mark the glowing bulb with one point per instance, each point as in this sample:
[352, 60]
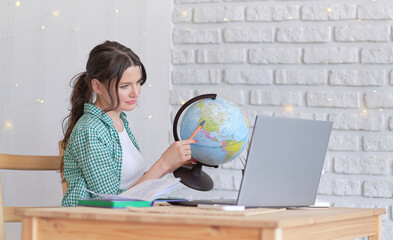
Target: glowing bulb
[185, 13]
[329, 99]
[40, 100]
[374, 91]
[380, 109]
[75, 29]
[365, 111]
[149, 85]
[359, 20]
[116, 11]
[288, 108]
[42, 27]
[16, 84]
[182, 102]
[329, 10]
[290, 17]
[150, 116]
[369, 147]
[17, 4]
[375, 156]
[8, 125]
[56, 13]
[226, 19]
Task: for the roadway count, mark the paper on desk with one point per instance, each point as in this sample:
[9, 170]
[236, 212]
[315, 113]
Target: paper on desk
[148, 190]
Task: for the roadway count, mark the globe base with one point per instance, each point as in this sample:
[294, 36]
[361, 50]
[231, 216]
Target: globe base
[194, 178]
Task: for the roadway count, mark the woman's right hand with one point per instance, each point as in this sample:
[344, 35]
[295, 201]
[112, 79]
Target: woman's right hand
[178, 154]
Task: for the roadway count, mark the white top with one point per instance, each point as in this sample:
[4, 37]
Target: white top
[133, 166]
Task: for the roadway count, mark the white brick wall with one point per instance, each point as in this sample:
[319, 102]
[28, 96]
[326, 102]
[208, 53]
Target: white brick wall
[324, 60]
[274, 56]
[359, 33]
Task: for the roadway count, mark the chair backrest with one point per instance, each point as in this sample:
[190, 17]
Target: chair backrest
[64, 183]
[23, 162]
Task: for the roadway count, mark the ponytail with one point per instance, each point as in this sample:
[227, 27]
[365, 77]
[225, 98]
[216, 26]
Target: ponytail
[82, 93]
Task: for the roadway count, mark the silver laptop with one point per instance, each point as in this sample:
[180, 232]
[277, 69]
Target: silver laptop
[284, 163]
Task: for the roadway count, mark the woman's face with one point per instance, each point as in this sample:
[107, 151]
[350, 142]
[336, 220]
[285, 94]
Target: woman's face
[129, 89]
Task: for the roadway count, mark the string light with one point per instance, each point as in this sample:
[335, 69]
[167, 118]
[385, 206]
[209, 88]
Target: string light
[329, 10]
[226, 19]
[364, 112]
[182, 102]
[380, 109]
[359, 20]
[185, 13]
[116, 11]
[329, 99]
[290, 17]
[56, 13]
[17, 4]
[42, 27]
[150, 116]
[374, 91]
[16, 85]
[8, 125]
[40, 100]
[149, 85]
[288, 108]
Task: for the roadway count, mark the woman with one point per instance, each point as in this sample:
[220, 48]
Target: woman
[101, 154]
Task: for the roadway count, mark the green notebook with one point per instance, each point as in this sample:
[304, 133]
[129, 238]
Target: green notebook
[113, 203]
[123, 203]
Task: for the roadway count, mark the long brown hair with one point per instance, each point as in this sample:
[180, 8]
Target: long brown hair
[107, 63]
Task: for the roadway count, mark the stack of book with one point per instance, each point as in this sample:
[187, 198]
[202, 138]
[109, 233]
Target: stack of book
[144, 194]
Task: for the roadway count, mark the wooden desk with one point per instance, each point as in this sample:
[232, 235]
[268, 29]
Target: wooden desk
[97, 223]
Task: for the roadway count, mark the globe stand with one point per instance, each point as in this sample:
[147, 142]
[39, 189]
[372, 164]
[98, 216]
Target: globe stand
[193, 177]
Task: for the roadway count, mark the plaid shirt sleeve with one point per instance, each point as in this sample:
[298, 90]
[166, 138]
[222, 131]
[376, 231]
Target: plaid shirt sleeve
[92, 164]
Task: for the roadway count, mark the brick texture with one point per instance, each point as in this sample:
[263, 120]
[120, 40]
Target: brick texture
[320, 60]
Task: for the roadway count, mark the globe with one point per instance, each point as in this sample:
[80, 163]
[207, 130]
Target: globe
[224, 134]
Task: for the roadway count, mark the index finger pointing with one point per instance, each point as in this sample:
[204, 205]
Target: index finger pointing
[189, 141]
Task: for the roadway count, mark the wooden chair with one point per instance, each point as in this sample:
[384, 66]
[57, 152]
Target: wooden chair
[64, 183]
[25, 162]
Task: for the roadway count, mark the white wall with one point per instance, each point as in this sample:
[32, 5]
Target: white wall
[42, 45]
[316, 59]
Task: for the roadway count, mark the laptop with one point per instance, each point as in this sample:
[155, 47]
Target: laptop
[284, 164]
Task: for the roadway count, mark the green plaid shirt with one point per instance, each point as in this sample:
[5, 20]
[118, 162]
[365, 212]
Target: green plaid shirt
[93, 157]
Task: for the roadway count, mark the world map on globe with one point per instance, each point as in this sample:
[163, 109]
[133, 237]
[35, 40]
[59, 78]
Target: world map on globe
[224, 134]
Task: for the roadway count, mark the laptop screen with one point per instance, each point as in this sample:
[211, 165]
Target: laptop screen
[284, 162]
